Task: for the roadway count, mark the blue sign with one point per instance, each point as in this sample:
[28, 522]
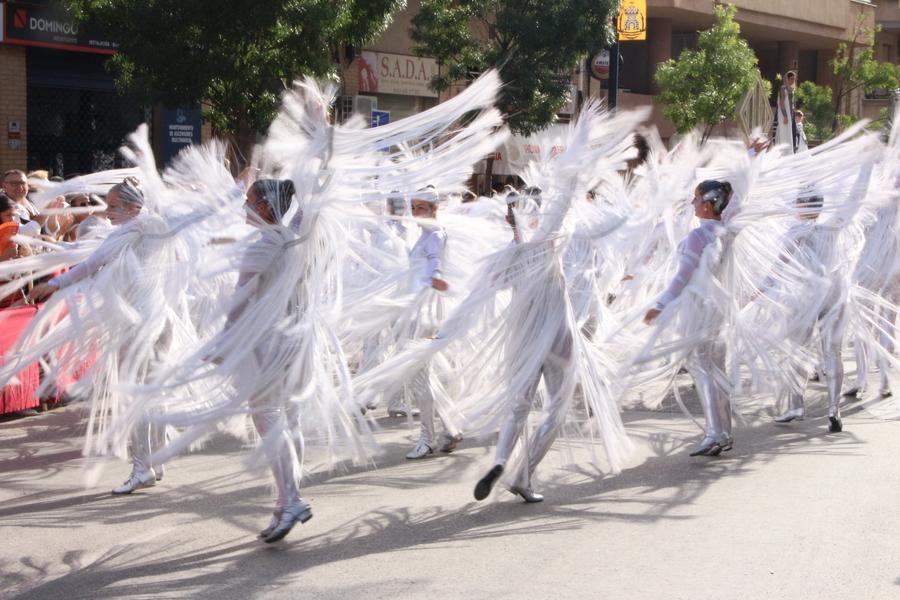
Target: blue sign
[380, 117]
[178, 128]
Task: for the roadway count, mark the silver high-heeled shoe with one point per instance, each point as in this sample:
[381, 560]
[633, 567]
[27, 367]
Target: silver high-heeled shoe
[276, 516]
[527, 494]
[795, 414]
[300, 512]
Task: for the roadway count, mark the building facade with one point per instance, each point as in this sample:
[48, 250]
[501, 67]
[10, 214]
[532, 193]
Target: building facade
[60, 109]
[800, 35]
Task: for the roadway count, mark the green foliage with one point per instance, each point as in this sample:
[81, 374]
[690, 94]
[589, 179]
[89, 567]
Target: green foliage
[856, 70]
[704, 86]
[234, 57]
[856, 67]
[818, 109]
[534, 44]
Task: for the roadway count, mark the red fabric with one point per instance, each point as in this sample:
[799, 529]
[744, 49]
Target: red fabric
[22, 395]
[65, 379]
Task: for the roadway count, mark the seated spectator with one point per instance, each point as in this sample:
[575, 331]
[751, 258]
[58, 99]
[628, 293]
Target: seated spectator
[9, 226]
[87, 219]
[15, 185]
[57, 223]
[9, 250]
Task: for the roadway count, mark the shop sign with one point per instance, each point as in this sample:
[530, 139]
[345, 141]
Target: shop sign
[380, 72]
[380, 117]
[179, 128]
[632, 22]
[50, 26]
[517, 152]
[600, 65]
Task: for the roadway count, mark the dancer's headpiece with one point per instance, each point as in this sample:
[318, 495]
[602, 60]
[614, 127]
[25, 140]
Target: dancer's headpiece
[718, 193]
[130, 191]
[427, 194]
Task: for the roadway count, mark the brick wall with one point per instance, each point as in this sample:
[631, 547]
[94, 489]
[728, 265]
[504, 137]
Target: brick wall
[13, 105]
[350, 78]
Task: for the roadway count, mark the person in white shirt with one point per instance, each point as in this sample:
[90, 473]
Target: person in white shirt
[15, 184]
[427, 262]
[802, 146]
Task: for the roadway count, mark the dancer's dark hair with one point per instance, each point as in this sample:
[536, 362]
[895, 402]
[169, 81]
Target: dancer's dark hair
[717, 193]
[277, 192]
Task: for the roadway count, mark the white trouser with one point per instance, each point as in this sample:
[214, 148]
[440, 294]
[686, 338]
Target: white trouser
[422, 388]
[372, 355]
[149, 435]
[279, 429]
[146, 438]
[887, 317]
[553, 370]
[830, 339]
[702, 364]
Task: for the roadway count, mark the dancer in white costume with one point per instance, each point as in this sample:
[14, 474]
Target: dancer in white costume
[274, 416]
[707, 322]
[815, 246]
[280, 357]
[553, 369]
[427, 259]
[875, 293]
[706, 362]
[124, 202]
[393, 241]
[123, 308]
[517, 323]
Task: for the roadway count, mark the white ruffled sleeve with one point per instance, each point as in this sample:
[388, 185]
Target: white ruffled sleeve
[434, 246]
[104, 253]
[690, 251]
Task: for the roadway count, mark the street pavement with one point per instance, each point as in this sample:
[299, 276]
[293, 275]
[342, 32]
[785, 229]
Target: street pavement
[792, 512]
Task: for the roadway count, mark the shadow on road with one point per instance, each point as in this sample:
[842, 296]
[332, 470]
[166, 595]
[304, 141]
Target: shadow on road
[643, 494]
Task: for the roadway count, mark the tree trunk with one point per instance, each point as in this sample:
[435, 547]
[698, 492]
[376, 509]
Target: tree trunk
[242, 142]
[707, 131]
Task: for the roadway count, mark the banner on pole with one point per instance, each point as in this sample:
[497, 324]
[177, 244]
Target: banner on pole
[632, 22]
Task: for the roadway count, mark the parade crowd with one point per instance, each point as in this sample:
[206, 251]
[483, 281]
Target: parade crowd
[344, 274]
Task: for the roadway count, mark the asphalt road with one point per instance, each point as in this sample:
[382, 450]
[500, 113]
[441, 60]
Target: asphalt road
[791, 512]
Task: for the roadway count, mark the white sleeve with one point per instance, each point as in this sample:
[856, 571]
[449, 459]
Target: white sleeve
[690, 252]
[253, 263]
[434, 253]
[93, 263]
[789, 247]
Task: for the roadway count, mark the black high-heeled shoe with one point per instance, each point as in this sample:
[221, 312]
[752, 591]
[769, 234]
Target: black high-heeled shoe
[484, 485]
[707, 447]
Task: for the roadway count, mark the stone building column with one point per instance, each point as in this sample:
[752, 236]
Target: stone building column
[789, 59]
[659, 45]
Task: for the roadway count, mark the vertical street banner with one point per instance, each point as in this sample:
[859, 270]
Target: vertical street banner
[632, 22]
[179, 128]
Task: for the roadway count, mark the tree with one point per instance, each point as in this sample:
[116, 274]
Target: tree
[703, 87]
[856, 69]
[232, 57]
[535, 45]
[818, 110]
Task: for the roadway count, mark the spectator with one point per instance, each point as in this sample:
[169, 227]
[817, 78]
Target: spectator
[8, 248]
[9, 225]
[87, 219]
[802, 146]
[785, 130]
[15, 185]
